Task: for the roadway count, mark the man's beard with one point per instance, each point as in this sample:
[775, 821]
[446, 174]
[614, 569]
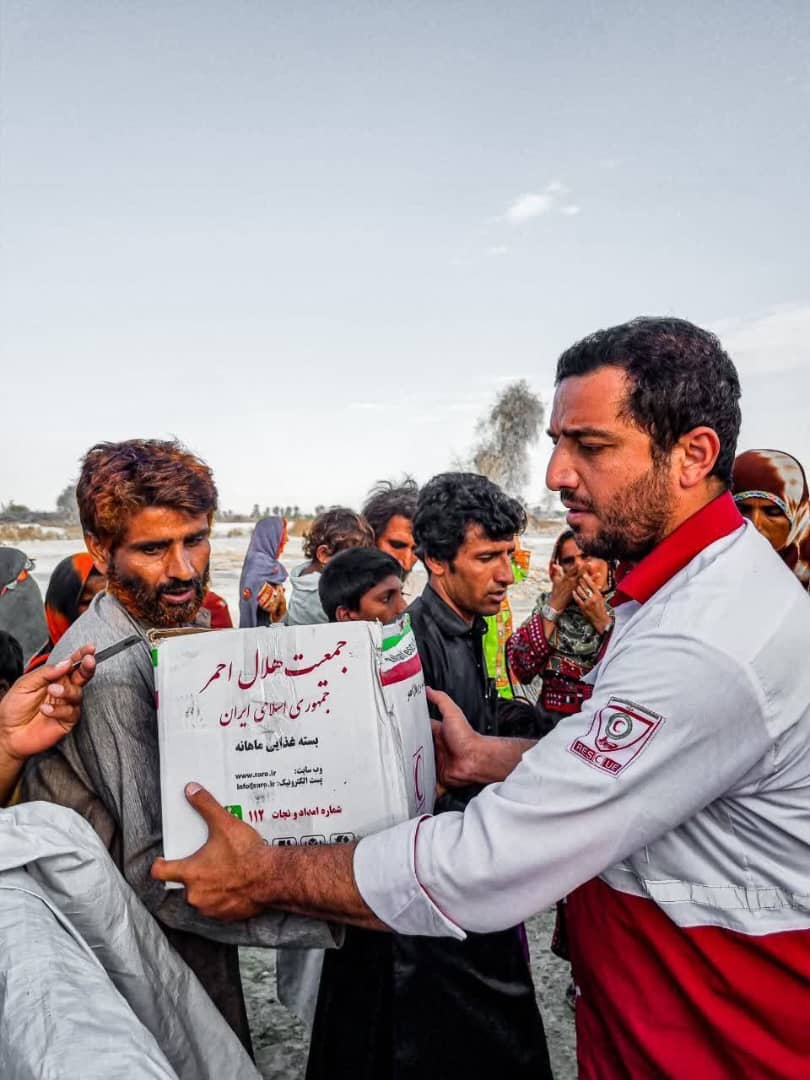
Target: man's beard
[636, 522]
[145, 603]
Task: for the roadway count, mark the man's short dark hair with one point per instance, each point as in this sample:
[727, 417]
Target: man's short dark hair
[11, 658]
[451, 502]
[348, 576]
[386, 500]
[680, 378]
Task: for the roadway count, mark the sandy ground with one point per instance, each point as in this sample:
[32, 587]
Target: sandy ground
[280, 1040]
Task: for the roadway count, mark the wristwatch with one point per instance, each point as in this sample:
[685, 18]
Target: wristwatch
[550, 613]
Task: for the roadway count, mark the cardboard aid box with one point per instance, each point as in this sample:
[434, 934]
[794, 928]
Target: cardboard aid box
[312, 734]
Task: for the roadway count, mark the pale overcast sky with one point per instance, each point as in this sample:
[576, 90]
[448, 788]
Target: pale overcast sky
[312, 239]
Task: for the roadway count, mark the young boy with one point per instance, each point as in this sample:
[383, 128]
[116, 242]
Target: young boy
[362, 583]
[358, 583]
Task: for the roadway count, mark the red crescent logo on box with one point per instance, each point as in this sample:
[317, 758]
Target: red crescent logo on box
[618, 733]
[418, 769]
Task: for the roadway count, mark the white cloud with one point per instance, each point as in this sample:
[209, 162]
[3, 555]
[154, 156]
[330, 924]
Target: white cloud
[528, 206]
[778, 340]
[772, 354]
[533, 204]
[368, 406]
[499, 249]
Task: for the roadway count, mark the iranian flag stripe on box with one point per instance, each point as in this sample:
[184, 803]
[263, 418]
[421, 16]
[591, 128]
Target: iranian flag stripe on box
[395, 668]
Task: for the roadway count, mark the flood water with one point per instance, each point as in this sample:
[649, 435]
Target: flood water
[228, 553]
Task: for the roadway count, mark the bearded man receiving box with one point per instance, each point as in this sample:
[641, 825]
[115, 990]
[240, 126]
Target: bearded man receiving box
[146, 508]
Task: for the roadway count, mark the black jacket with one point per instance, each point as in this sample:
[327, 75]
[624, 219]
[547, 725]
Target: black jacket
[452, 655]
[392, 1007]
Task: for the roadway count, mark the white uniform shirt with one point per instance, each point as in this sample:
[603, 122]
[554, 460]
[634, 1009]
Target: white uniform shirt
[684, 782]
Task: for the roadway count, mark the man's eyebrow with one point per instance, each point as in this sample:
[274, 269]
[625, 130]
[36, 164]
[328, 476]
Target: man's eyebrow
[198, 534]
[141, 545]
[582, 433]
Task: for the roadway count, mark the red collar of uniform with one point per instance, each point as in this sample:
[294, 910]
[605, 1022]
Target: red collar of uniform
[717, 519]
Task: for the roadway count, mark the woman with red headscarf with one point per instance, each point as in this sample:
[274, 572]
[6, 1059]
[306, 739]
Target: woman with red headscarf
[770, 489]
[74, 582]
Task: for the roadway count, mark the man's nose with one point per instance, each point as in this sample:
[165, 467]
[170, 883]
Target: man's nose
[400, 605]
[180, 564]
[504, 571]
[560, 472]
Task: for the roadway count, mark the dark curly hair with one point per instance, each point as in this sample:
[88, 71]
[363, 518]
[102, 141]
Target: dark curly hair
[680, 378]
[119, 479]
[451, 502]
[337, 528]
[386, 500]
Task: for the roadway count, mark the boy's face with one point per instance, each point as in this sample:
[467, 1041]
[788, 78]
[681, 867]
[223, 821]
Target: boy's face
[383, 601]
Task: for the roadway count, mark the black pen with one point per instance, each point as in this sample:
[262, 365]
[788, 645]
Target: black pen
[111, 650]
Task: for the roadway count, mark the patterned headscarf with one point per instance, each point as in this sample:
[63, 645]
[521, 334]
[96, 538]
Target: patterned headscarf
[778, 477]
[576, 637]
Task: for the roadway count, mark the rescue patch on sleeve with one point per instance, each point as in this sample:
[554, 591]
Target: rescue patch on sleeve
[618, 733]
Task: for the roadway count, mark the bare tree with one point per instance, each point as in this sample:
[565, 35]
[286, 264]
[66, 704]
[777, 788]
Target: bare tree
[66, 504]
[505, 436]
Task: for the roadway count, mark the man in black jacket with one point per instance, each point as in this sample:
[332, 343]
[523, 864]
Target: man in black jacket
[419, 1008]
[465, 529]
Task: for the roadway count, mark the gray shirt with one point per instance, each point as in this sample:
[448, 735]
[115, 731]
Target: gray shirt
[107, 769]
[304, 607]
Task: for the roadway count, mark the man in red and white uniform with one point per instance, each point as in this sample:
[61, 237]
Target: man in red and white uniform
[674, 809]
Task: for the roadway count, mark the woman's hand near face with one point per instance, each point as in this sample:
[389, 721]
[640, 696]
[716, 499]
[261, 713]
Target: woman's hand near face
[591, 603]
[597, 570]
[562, 588]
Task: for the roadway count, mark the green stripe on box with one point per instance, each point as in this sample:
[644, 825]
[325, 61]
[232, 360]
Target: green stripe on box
[398, 636]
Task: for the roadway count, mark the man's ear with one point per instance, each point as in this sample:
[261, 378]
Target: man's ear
[99, 551]
[344, 614]
[697, 450]
[322, 554]
[437, 567]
